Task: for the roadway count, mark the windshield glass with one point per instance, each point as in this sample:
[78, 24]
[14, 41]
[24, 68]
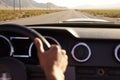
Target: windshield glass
[56, 11]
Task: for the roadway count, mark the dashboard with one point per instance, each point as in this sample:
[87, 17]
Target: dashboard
[93, 50]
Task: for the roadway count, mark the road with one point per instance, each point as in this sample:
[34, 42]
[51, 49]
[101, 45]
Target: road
[52, 17]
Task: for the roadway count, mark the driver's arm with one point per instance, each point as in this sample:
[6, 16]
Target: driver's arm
[53, 61]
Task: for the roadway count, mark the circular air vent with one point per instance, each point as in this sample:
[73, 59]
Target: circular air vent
[81, 52]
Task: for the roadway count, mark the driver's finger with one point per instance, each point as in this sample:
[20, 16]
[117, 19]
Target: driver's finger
[39, 45]
[63, 52]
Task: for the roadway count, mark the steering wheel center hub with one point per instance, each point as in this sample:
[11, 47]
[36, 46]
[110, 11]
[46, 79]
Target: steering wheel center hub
[12, 69]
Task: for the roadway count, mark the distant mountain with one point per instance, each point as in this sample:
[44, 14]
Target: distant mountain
[26, 4]
[2, 6]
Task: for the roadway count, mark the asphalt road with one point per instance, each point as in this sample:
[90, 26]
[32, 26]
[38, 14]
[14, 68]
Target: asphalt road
[52, 17]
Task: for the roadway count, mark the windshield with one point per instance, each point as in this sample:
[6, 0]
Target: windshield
[56, 11]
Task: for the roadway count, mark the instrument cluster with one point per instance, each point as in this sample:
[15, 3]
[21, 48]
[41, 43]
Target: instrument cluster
[21, 47]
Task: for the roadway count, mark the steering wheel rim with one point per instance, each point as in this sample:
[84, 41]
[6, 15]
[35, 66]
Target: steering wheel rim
[32, 34]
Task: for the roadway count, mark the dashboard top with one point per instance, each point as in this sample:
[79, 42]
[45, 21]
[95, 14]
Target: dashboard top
[83, 30]
[79, 25]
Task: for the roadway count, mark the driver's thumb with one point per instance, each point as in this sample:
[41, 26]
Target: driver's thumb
[39, 45]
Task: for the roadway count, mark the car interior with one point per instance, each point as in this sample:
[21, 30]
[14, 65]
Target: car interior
[92, 46]
[93, 52]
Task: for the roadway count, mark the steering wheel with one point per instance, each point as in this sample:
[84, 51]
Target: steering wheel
[11, 68]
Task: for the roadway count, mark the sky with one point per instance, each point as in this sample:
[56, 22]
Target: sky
[76, 3]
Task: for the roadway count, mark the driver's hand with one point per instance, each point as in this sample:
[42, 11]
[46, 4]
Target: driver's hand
[53, 61]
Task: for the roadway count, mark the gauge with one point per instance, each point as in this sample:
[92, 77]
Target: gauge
[21, 46]
[50, 39]
[33, 51]
[6, 48]
[117, 53]
[81, 52]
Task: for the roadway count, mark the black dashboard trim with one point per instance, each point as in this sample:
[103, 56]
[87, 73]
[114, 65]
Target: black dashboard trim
[85, 33]
[80, 25]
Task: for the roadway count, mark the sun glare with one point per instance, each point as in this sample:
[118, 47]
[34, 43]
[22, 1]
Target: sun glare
[75, 3]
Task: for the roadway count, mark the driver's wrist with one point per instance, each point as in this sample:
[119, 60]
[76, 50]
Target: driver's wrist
[55, 75]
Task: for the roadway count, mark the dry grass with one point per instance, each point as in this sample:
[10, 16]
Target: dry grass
[11, 14]
[104, 13]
